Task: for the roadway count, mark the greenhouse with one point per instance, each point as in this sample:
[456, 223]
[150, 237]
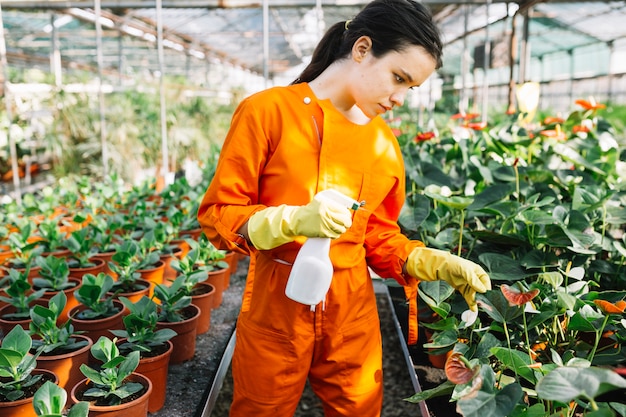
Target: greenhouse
[459, 179]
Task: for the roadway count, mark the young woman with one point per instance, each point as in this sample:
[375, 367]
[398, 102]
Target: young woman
[285, 145]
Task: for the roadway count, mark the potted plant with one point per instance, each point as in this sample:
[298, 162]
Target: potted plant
[60, 348]
[214, 261]
[114, 388]
[50, 237]
[141, 334]
[19, 378]
[25, 249]
[53, 277]
[193, 276]
[19, 300]
[98, 311]
[125, 263]
[175, 311]
[50, 400]
[82, 250]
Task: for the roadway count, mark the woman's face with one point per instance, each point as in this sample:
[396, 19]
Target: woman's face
[382, 83]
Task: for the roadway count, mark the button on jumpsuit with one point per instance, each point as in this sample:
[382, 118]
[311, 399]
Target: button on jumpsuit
[285, 145]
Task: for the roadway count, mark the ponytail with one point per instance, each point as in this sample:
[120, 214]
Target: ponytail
[325, 53]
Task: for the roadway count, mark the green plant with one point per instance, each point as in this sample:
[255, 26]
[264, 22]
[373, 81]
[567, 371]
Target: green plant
[50, 399]
[81, 245]
[16, 364]
[53, 274]
[208, 255]
[190, 268]
[19, 294]
[173, 300]
[127, 260]
[140, 325]
[95, 293]
[49, 336]
[50, 236]
[110, 385]
[24, 248]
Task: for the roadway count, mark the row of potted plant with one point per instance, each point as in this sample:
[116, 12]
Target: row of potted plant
[147, 325]
[139, 224]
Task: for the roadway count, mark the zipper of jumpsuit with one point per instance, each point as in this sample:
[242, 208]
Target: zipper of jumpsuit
[318, 314]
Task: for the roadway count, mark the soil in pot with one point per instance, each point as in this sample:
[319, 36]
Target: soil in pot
[24, 406]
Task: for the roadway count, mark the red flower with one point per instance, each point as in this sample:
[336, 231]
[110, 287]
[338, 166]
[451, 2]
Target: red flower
[590, 105]
[618, 307]
[465, 116]
[457, 369]
[555, 133]
[550, 120]
[477, 125]
[580, 129]
[423, 136]
[515, 297]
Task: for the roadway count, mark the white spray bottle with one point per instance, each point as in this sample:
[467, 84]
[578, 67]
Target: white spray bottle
[312, 270]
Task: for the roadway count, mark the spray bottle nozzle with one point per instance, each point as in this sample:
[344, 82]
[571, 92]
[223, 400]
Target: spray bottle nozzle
[339, 198]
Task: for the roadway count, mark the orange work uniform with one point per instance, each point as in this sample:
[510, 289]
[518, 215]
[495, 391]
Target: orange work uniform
[285, 145]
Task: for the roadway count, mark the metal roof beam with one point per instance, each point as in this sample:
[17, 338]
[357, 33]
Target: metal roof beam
[206, 4]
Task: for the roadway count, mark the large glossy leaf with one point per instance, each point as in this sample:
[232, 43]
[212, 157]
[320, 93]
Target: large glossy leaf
[491, 195]
[444, 388]
[497, 307]
[488, 402]
[568, 383]
[502, 268]
[49, 399]
[516, 361]
[412, 217]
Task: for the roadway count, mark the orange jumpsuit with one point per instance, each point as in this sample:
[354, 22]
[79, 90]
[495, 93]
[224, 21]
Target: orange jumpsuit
[283, 147]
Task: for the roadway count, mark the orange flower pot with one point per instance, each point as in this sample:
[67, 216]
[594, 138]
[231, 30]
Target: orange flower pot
[135, 408]
[202, 296]
[66, 365]
[185, 340]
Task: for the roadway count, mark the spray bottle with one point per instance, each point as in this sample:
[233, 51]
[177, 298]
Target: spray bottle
[312, 270]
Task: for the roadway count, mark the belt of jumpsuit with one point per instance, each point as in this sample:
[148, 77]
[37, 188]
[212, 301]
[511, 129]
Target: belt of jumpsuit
[283, 147]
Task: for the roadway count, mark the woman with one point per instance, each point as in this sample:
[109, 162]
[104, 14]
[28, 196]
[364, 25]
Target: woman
[288, 143]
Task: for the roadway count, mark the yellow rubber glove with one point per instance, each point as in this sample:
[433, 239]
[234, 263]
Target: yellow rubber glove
[465, 276]
[275, 226]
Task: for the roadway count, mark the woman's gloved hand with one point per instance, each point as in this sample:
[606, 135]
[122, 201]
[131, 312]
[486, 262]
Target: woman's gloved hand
[467, 277]
[275, 226]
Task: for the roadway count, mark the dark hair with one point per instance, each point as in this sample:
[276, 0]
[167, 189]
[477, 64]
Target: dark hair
[392, 25]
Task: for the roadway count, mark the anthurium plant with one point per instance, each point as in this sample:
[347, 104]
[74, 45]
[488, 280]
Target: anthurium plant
[540, 205]
[110, 384]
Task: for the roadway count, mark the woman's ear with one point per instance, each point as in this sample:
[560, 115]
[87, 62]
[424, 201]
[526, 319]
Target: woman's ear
[361, 47]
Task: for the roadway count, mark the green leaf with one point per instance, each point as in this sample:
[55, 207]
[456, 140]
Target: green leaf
[490, 403]
[49, 399]
[444, 388]
[497, 307]
[80, 409]
[566, 383]
[516, 361]
[502, 268]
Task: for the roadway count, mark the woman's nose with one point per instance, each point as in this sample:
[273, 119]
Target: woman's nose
[397, 98]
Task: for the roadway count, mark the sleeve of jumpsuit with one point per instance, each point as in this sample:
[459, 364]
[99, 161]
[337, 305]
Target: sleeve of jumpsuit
[232, 196]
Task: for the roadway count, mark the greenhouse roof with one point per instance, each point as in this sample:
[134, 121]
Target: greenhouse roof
[196, 33]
